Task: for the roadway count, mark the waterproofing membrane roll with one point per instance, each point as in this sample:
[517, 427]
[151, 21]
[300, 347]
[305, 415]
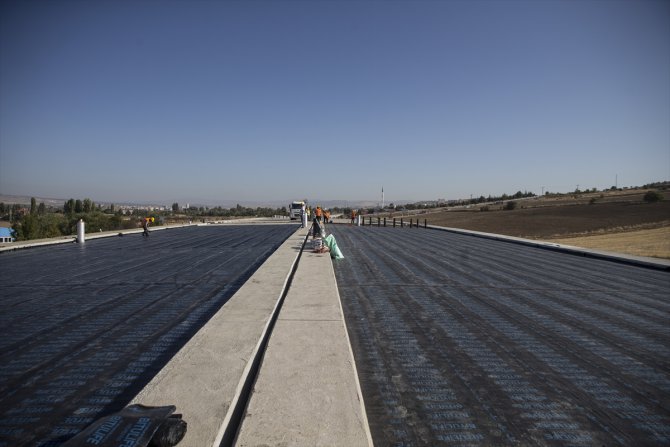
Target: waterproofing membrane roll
[134, 426]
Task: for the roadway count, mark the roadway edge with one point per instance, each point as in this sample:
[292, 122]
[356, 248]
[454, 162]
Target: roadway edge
[640, 261]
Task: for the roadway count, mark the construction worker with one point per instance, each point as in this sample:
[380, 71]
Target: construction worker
[318, 213]
[145, 225]
[317, 226]
[353, 216]
[326, 214]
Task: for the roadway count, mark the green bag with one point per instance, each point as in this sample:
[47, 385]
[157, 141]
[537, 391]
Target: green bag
[332, 245]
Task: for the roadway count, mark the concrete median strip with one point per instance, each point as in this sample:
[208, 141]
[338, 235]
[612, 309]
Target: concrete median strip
[204, 379]
[307, 392]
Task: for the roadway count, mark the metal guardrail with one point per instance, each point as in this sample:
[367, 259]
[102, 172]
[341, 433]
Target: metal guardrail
[381, 222]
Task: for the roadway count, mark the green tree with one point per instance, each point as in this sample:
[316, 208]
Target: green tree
[510, 205]
[87, 206]
[78, 206]
[34, 226]
[175, 207]
[48, 225]
[41, 209]
[68, 207]
[24, 227]
[33, 206]
[14, 214]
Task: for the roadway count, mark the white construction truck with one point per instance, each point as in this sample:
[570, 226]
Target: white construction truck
[294, 209]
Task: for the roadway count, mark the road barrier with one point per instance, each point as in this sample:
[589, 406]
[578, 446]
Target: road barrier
[382, 222]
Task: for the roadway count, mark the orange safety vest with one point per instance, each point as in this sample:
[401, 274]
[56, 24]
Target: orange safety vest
[318, 212]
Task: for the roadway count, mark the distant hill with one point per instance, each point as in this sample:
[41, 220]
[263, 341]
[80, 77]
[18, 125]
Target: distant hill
[25, 200]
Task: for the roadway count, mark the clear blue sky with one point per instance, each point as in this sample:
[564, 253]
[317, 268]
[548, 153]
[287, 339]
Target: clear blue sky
[205, 101]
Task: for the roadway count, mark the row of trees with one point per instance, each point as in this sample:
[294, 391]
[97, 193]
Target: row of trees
[78, 206]
[39, 226]
[71, 206]
[237, 211]
[41, 221]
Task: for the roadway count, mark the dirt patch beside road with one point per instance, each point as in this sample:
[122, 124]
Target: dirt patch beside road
[558, 221]
[655, 243]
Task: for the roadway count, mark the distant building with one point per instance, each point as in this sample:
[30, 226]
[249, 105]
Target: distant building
[6, 235]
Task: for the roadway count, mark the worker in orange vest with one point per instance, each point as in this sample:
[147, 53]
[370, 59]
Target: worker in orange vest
[318, 213]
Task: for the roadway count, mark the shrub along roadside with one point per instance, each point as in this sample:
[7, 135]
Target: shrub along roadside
[653, 196]
[40, 226]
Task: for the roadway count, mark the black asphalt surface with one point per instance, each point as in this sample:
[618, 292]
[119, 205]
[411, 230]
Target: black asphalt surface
[83, 328]
[461, 340]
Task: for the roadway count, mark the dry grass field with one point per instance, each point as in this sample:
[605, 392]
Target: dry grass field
[618, 221]
[655, 242]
